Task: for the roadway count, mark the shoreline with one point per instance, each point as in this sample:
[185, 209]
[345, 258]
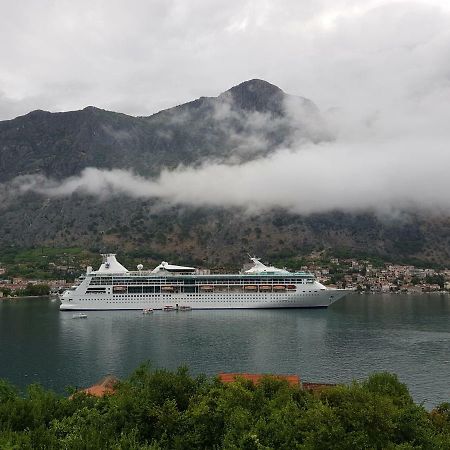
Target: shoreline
[24, 297]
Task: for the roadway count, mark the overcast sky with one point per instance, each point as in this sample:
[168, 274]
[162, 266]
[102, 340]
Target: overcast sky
[139, 57]
[379, 70]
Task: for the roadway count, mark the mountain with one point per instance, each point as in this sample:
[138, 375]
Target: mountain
[250, 120]
[210, 128]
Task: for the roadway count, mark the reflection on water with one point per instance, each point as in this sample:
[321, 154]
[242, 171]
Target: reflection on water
[408, 335]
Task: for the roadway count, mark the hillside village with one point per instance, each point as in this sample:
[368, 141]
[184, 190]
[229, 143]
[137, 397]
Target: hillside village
[365, 277]
[349, 273]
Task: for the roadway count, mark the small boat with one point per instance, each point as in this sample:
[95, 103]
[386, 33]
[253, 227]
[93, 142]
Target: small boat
[169, 308]
[184, 308]
[147, 311]
[79, 316]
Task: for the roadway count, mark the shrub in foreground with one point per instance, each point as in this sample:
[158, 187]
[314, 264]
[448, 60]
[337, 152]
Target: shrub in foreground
[159, 409]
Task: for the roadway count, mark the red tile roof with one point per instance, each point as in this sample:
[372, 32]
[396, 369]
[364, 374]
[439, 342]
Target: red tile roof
[316, 387]
[293, 380]
[104, 386]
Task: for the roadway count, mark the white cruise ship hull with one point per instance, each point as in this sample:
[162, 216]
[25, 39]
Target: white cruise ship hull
[113, 287]
[318, 299]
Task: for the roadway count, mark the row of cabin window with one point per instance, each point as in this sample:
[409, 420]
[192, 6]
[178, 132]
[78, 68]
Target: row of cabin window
[202, 295]
[151, 290]
[165, 281]
[286, 300]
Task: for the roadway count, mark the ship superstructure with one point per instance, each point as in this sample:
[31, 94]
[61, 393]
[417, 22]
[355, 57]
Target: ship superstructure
[168, 286]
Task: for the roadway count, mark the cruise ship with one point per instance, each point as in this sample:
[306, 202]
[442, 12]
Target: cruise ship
[171, 287]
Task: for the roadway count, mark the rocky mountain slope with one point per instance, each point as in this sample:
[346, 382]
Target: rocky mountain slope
[249, 121]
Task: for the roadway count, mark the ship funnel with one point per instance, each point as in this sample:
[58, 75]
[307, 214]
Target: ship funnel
[111, 265]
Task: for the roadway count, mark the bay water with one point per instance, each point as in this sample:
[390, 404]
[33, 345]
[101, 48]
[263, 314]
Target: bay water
[360, 334]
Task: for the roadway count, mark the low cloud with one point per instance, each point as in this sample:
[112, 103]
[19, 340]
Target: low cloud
[251, 133]
[387, 159]
[380, 176]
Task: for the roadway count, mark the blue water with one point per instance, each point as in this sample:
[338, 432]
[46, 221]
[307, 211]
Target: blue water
[408, 335]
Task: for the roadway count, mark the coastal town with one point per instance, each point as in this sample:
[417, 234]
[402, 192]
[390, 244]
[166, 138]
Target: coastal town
[345, 273]
[362, 276]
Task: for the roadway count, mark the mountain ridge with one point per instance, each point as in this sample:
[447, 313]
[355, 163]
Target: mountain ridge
[61, 144]
[248, 121]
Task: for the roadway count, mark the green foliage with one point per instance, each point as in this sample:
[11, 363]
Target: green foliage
[293, 263]
[436, 279]
[159, 409]
[385, 383]
[7, 392]
[33, 290]
[6, 291]
[43, 262]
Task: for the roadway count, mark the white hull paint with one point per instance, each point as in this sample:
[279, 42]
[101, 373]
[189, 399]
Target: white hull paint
[319, 299]
[113, 287]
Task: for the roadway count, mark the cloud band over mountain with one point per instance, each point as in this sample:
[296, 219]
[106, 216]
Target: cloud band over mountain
[380, 176]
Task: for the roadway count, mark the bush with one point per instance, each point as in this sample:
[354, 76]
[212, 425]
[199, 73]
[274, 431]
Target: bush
[159, 409]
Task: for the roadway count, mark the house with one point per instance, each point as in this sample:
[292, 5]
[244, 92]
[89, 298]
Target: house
[293, 380]
[105, 386]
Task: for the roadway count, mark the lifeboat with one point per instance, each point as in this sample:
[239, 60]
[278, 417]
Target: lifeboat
[279, 287]
[265, 287]
[169, 308]
[120, 289]
[167, 288]
[291, 287]
[235, 288]
[251, 287]
[206, 287]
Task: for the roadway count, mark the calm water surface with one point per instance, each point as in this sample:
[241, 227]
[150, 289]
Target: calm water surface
[408, 335]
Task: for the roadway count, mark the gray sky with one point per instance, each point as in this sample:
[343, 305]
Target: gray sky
[139, 57]
[379, 71]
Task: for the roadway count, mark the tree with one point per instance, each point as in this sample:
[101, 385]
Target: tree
[158, 409]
